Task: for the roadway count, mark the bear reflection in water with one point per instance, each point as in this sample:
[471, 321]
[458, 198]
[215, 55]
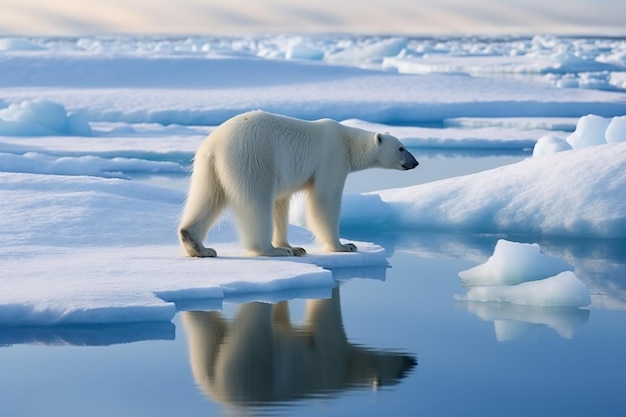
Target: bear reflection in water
[261, 357]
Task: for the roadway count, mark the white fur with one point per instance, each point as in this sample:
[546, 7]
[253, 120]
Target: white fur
[255, 161]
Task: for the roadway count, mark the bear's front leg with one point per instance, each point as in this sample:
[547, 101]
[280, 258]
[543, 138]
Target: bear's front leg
[253, 214]
[323, 210]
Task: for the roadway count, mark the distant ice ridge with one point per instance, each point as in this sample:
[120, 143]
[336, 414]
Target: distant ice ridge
[204, 81]
[569, 62]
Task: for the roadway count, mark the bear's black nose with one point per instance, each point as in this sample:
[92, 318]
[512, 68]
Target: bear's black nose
[411, 162]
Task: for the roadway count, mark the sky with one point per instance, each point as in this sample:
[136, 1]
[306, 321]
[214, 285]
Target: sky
[219, 17]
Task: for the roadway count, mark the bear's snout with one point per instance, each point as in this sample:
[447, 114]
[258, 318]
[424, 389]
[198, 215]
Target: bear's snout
[410, 162]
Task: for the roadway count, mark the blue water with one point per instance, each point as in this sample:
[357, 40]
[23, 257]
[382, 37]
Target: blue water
[389, 341]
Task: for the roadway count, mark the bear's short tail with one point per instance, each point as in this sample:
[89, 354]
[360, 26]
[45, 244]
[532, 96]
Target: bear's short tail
[205, 202]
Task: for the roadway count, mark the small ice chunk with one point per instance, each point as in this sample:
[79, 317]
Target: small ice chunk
[550, 144]
[568, 81]
[616, 131]
[513, 263]
[78, 125]
[302, 50]
[590, 131]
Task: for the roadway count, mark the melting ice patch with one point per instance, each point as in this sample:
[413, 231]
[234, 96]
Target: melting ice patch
[519, 287]
[519, 273]
[514, 263]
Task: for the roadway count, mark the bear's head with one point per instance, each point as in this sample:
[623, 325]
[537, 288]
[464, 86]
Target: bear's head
[392, 153]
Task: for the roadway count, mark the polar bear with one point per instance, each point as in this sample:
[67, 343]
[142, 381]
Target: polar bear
[255, 161]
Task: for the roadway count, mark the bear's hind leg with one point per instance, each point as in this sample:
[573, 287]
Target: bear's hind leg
[204, 204]
[281, 221]
[193, 247]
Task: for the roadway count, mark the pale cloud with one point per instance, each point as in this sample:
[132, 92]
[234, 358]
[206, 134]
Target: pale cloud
[65, 17]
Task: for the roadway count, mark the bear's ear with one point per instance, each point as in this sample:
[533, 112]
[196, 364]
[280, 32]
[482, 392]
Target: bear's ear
[379, 138]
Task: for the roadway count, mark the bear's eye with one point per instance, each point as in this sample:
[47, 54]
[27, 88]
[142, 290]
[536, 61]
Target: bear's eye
[401, 149]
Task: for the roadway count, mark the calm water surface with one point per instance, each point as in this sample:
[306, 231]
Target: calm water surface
[384, 342]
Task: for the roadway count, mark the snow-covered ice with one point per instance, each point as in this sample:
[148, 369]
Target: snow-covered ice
[577, 193]
[94, 250]
[81, 243]
[549, 144]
